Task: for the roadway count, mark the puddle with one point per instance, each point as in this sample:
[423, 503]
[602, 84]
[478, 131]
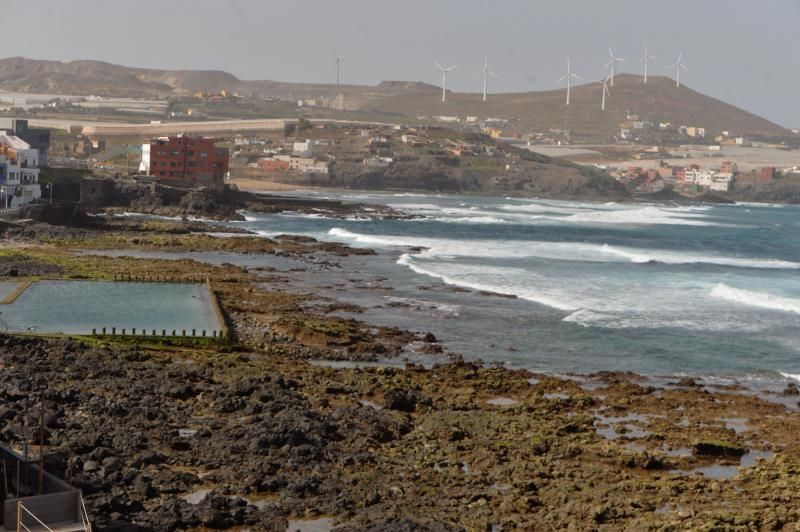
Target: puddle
[196, 497]
[613, 428]
[556, 395]
[637, 447]
[503, 401]
[371, 404]
[727, 471]
[737, 424]
[679, 452]
[323, 524]
[349, 364]
[750, 458]
[663, 509]
[260, 502]
[592, 386]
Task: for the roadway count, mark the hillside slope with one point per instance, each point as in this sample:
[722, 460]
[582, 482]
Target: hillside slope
[658, 101]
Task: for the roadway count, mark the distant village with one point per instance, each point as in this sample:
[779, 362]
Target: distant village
[645, 156]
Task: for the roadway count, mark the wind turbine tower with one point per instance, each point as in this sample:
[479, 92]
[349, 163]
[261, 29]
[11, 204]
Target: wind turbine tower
[606, 92]
[569, 76]
[644, 60]
[486, 73]
[444, 78]
[612, 63]
[339, 60]
[678, 65]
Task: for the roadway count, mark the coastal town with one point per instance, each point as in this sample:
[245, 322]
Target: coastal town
[417, 266]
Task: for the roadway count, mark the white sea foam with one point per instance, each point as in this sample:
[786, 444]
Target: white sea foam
[472, 280]
[792, 376]
[650, 215]
[567, 251]
[643, 256]
[756, 299]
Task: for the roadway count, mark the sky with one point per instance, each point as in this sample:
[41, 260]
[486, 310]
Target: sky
[742, 52]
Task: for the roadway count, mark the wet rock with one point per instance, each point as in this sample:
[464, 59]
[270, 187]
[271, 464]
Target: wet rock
[404, 399]
[791, 390]
[718, 448]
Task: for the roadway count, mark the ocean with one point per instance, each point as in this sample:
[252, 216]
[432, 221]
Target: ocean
[657, 289]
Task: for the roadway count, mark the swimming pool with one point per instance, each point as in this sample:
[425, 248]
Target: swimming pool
[77, 307]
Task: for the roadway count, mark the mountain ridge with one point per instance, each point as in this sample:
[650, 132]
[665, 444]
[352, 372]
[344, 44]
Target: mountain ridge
[658, 101]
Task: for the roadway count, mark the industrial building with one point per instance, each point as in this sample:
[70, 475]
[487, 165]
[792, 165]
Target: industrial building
[185, 161]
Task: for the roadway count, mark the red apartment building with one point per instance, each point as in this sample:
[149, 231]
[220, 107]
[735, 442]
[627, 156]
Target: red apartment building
[188, 161]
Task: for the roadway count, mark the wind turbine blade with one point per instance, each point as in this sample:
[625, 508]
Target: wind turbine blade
[491, 73]
[673, 65]
[610, 52]
[440, 67]
[575, 76]
[448, 69]
[608, 65]
[562, 78]
[684, 67]
[621, 60]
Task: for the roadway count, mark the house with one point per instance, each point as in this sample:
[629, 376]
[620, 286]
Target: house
[302, 149]
[38, 138]
[271, 164]
[378, 162]
[185, 161]
[19, 172]
[766, 173]
[720, 185]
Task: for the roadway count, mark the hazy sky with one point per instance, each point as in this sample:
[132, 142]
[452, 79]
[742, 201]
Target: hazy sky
[744, 52]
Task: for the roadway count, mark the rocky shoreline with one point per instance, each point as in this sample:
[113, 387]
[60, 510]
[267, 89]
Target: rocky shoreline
[249, 434]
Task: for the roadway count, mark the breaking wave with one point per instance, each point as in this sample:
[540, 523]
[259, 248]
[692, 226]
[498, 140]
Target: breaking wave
[567, 251]
[756, 299]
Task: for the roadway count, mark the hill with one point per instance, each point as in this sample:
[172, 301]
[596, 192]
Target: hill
[658, 101]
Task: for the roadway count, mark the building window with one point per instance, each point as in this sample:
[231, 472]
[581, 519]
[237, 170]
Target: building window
[190, 153]
[203, 154]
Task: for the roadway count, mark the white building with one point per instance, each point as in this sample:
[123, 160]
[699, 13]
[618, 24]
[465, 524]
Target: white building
[19, 172]
[302, 149]
[720, 185]
[144, 166]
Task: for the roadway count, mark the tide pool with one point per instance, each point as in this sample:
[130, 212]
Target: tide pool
[77, 307]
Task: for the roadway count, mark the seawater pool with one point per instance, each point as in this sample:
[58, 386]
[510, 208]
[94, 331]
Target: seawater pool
[77, 307]
[6, 287]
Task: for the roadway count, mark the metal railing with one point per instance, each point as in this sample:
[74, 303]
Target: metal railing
[21, 526]
[10, 213]
[87, 525]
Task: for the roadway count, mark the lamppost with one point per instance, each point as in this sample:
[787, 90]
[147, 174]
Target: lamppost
[5, 196]
[50, 188]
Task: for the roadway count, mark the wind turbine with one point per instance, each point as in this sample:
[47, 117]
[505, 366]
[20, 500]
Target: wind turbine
[612, 62]
[645, 59]
[486, 73]
[678, 65]
[339, 60]
[569, 76]
[606, 92]
[444, 78]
